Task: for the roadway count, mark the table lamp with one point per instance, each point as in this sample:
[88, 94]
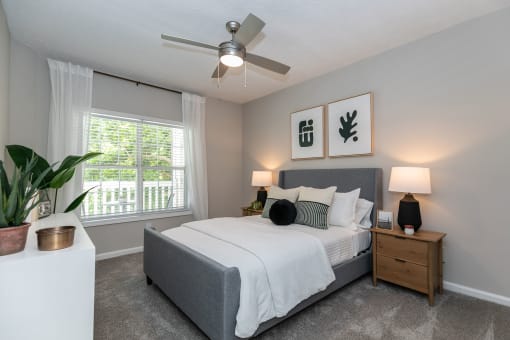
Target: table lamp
[411, 180]
[261, 179]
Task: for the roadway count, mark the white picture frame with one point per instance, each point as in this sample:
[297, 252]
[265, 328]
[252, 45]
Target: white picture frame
[384, 220]
[350, 126]
[307, 133]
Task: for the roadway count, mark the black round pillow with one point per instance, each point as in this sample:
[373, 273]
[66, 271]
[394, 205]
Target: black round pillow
[283, 212]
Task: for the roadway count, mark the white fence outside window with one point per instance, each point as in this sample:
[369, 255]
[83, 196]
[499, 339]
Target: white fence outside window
[119, 197]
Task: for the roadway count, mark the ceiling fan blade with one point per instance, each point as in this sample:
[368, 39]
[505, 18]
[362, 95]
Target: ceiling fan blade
[188, 42]
[267, 63]
[250, 27]
[222, 71]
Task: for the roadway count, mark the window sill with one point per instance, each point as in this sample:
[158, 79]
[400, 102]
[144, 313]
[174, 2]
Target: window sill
[133, 218]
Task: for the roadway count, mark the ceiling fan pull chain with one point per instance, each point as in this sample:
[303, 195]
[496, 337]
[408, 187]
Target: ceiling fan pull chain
[218, 77]
[245, 74]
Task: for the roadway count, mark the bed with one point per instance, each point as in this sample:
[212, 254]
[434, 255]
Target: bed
[209, 292]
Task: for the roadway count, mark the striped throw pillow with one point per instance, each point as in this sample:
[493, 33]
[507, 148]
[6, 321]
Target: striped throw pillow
[312, 207]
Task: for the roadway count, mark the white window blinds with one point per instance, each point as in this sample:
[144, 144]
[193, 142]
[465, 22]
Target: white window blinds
[141, 170]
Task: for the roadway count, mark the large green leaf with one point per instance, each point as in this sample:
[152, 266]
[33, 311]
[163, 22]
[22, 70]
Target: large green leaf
[39, 179]
[4, 181]
[12, 200]
[65, 171]
[21, 155]
[62, 178]
[77, 201]
[73, 161]
[3, 220]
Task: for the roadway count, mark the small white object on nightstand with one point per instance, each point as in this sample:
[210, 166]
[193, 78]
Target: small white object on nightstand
[409, 230]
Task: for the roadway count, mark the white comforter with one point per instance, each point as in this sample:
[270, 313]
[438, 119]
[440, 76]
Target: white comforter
[279, 268]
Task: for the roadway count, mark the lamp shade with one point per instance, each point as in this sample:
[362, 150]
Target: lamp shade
[410, 179]
[261, 178]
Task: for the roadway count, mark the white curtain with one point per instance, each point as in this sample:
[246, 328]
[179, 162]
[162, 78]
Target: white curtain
[71, 102]
[193, 117]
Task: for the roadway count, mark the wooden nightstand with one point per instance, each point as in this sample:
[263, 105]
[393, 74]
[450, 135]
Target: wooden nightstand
[415, 262]
[247, 211]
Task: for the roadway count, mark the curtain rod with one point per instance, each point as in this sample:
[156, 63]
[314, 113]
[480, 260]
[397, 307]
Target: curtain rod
[137, 82]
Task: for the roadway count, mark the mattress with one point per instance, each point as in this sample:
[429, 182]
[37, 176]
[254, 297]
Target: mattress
[341, 244]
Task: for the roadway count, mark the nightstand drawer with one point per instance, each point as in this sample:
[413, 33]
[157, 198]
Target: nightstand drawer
[404, 273]
[402, 248]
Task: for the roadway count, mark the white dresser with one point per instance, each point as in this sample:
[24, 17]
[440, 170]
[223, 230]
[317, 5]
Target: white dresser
[49, 295]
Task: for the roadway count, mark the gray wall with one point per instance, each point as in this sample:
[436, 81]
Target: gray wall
[224, 157]
[28, 125]
[441, 102]
[4, 81]
[29, 98]
[128, 235]
[124, 96]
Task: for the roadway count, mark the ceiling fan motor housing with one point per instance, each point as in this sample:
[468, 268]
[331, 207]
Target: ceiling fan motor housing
[232, 26]
[232, 48]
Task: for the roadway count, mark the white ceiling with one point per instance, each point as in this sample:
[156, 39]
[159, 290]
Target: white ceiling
[313, 37]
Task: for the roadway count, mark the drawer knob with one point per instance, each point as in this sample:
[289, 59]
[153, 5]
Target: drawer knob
[399, 260]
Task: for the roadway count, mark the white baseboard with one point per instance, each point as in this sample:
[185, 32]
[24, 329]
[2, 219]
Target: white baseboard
[117, 253]
[480, 294]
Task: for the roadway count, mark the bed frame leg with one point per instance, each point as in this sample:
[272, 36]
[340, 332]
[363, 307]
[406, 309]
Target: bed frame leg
[149, 280]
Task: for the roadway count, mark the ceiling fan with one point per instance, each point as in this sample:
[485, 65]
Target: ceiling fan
[233, 53]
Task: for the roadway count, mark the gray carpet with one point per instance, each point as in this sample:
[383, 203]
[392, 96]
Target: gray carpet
[126, 308]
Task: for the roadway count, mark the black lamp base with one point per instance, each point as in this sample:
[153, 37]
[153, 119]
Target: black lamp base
[262, 195]
[409, 212]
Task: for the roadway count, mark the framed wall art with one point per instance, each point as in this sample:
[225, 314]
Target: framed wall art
[350, 126]
[307, 133]
[384, 220]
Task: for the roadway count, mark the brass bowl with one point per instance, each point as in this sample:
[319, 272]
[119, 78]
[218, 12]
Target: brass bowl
[55, 238]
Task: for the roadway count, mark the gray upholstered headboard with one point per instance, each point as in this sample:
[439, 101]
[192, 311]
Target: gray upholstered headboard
[368, 179]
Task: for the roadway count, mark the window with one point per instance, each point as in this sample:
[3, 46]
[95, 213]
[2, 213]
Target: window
[141, 170]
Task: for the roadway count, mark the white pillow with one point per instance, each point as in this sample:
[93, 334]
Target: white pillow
[343, 210]
[324, 196]
[362, 215]
[280, 194]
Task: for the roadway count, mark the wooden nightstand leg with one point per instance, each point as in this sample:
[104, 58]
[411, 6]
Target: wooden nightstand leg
[431, 272]
[440, 265]
[431, 298]
[374, 259]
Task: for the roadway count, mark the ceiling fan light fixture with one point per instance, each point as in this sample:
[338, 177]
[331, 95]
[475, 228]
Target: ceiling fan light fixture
[231, 60]
[231, 54]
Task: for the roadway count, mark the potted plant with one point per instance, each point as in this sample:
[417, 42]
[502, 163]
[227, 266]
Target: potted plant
[17, 198]
[53, 179]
